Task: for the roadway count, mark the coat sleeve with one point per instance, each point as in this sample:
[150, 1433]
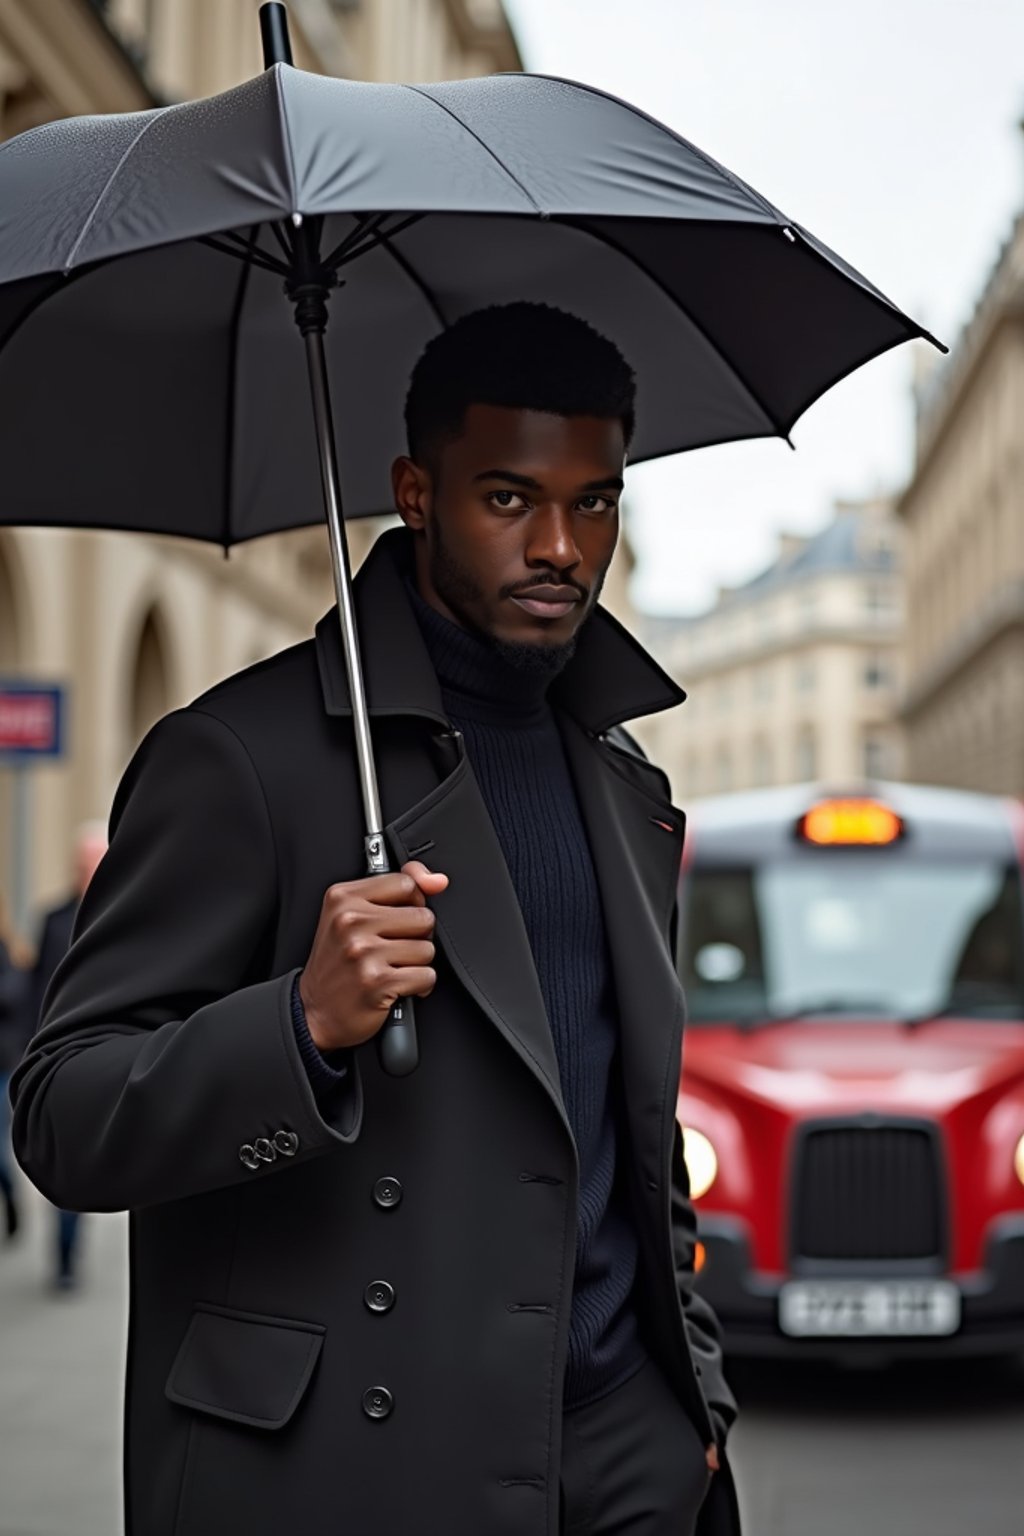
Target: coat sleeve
[702, 1328]
[164, 1048]
[48, 958]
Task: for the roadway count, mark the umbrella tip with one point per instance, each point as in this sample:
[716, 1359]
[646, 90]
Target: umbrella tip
[277, 47]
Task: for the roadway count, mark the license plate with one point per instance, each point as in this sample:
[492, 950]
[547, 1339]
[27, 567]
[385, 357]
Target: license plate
[869, 1308]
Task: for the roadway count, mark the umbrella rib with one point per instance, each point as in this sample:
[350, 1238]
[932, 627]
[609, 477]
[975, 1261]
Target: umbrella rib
[364, 222]
[584, 228]
[234, 334]
[94, 210]
[245, 246]
[723, 170]
[414, 277]
[379, 237]
[251, 258]
[282, 240]
[483, 145]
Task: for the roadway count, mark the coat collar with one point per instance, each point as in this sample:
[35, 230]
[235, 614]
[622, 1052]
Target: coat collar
[610, 678]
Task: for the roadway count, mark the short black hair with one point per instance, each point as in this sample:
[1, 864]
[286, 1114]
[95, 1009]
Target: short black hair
[529, 357]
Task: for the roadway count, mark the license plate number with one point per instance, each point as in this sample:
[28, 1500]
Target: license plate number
[869, 1308]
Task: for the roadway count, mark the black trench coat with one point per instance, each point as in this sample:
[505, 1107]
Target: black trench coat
[168, 1047]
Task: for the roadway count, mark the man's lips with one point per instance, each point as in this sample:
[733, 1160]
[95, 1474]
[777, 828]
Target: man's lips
[548, 602]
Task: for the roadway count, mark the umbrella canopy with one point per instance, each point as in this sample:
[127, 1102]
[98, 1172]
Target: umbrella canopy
[150, 381]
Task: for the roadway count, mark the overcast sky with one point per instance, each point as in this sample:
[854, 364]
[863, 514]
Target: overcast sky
[889, 129]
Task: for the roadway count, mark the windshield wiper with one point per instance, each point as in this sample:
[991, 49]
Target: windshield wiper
[820, 1006]
[964, 1002]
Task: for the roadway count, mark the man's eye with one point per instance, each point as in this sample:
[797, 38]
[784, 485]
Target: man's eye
[509, 501]
[599, 504]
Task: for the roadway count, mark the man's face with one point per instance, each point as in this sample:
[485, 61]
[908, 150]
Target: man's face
[517, 521]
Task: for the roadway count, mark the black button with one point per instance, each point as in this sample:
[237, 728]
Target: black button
[387, 1192]
[379, 1296]
[265, 1150]
[247, 1153]
[377, 1402]
[286, 1142]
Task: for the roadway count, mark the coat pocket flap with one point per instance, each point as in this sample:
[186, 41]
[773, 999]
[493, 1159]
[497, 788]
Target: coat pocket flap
[244, 1366]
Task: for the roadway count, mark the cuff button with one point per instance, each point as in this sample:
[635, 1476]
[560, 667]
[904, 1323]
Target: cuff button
[286, 1142]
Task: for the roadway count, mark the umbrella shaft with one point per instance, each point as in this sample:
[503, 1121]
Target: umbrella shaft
[376, 851]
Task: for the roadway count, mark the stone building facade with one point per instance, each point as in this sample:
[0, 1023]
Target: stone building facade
[135, 626]
[795, 675]
[963, 513]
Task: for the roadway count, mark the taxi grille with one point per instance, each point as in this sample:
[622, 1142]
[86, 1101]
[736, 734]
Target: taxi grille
[868, 1192]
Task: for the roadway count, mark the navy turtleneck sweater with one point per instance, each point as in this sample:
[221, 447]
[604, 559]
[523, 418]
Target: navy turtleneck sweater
[516, 752]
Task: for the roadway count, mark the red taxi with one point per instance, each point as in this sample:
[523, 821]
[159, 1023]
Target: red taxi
[852, 1093]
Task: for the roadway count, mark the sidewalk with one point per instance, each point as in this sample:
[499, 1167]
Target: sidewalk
[61, 1370]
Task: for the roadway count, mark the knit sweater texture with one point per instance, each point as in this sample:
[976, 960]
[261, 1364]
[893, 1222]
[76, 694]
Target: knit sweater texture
[515, 749]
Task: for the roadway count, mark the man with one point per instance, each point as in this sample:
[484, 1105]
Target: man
[89, 847]
[459, 1301]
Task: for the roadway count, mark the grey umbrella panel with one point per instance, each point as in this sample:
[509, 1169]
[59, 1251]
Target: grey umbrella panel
[287, 142]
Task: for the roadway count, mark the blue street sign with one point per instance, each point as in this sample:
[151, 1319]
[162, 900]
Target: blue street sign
[31, 721]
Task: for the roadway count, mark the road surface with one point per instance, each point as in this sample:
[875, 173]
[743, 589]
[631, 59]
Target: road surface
[818, 1452]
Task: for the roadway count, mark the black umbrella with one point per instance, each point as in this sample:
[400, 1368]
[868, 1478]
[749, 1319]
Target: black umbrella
[143, 256]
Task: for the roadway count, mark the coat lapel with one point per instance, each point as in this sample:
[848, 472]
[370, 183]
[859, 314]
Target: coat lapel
[479, 922]
[636, 839]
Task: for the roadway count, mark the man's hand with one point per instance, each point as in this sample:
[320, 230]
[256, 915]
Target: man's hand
[373, 945]
[711, 1457]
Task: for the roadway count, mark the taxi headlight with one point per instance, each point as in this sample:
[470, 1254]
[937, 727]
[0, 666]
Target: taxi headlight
[1018, 1159]
[701, 1161]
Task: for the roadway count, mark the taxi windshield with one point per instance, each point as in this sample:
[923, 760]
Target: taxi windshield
[837, 934]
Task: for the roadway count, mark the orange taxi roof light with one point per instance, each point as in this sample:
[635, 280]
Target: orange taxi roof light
[850, 821]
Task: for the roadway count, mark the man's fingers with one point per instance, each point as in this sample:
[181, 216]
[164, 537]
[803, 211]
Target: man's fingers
[430, 881]
[402, 953]
[408, 981]
[711, 1455]
[402, 922]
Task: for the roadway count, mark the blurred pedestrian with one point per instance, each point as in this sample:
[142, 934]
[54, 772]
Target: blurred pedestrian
[14, 1031]
[55, 939]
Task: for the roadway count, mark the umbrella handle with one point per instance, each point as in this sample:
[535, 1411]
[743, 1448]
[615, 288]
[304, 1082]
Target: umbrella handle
[397, 1046]
[396, 1043]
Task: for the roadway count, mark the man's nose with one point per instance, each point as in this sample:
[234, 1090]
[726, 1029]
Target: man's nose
[552, 541]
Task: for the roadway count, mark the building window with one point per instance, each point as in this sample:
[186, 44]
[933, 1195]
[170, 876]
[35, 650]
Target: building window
[806, 756]
[805, 674]
[761, 764]
[761, 681]
[874, 758]
[808, 606]
[878, 600]
[876, 672]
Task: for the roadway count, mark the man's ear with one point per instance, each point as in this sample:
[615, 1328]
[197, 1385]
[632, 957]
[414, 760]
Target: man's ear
[413, 492]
